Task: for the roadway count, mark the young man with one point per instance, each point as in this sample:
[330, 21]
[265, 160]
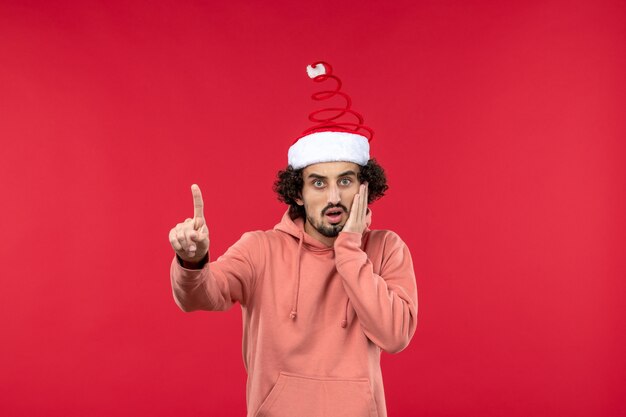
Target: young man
[321, 294]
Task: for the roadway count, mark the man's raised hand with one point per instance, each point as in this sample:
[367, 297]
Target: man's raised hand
[190, 239]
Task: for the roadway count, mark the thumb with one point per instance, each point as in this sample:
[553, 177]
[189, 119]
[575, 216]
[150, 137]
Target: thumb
[201, 233]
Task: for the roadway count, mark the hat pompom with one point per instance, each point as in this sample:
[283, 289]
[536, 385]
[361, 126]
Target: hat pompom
[316, 71]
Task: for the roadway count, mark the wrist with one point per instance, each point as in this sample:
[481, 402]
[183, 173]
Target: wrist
[199, 264]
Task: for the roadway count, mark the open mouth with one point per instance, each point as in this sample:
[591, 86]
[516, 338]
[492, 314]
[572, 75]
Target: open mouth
[334, 215]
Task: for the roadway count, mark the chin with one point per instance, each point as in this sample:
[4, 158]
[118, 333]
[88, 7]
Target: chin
[330, 230]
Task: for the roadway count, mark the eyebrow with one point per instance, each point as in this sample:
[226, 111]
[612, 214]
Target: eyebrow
[343, 174]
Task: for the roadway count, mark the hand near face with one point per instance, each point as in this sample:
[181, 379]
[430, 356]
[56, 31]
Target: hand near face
[359, 213]
[190, 239]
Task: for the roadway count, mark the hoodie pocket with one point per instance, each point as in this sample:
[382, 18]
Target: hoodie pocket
[303, 396]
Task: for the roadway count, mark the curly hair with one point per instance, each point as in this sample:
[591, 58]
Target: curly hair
[289, 183]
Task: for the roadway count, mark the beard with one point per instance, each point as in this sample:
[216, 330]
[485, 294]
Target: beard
[328, 231]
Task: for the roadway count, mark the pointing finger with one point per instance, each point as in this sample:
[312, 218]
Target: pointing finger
[198, 206]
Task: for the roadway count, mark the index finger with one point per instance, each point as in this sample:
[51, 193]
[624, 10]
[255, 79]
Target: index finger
[198, 204]
[364, 194]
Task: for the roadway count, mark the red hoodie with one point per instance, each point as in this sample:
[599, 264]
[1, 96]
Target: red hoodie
[315, 318]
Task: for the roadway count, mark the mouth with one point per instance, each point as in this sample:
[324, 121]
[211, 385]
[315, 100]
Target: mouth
[334, 215]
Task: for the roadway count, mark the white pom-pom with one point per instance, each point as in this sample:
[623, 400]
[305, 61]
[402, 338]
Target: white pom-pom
[315, 71]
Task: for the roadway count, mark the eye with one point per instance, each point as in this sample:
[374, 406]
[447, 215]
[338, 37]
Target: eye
[345, 181]
[318, 183]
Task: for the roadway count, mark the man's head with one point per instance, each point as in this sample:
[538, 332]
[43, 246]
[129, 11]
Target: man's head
[327, 165]
[315, 191]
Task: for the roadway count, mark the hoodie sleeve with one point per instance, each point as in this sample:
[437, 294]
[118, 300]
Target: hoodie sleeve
[219, 284]
[385, 304]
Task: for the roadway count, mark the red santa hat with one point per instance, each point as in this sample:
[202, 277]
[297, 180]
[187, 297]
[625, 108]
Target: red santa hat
[338, 134]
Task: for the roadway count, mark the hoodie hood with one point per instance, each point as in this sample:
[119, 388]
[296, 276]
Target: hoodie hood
[295, 228]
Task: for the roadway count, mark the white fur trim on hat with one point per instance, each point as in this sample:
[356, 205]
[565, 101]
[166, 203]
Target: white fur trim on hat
[329, 147]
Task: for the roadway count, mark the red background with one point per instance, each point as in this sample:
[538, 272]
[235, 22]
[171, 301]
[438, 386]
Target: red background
[500, 125]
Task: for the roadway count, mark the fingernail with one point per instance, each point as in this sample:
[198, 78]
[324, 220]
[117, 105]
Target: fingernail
[192, 248]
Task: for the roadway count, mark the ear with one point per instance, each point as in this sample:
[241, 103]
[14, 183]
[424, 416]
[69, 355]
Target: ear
[299, 201]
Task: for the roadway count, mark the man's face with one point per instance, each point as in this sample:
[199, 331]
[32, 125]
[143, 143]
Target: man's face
[327, 195]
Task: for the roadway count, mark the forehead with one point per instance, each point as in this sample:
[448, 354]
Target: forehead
[330, 169]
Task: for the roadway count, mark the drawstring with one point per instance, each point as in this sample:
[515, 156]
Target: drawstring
[344, 322]
[296, 287]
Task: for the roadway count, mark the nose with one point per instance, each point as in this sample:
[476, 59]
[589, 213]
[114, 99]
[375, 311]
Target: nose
[334, 196]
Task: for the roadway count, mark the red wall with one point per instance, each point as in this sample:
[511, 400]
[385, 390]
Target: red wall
[500, 125]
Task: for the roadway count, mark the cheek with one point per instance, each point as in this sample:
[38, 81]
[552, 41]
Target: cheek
[311, 199]
[316, 204]
[349, 198]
